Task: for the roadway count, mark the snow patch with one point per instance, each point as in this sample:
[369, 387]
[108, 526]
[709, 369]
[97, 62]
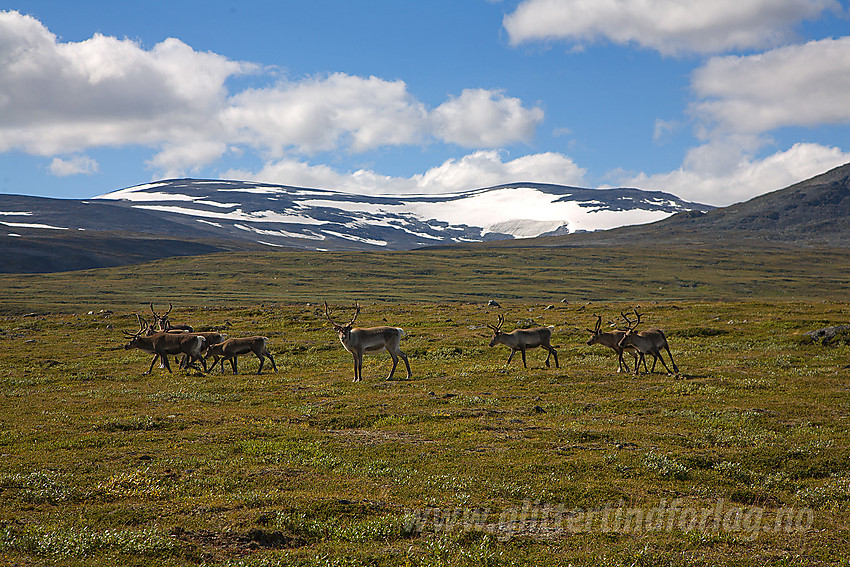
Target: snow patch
[32, 225]
[357, 238]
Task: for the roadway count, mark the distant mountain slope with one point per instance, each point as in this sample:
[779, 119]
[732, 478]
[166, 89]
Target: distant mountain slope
[815, 212]
[321, 219]
[191, 216]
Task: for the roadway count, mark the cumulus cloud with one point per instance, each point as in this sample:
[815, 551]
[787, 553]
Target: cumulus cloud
[76, 165]
[722, 173]
[482, 118]
[668, 26]
[796, 85]
[320, 114]
[60, 97]
[478, 169]
[65, 97]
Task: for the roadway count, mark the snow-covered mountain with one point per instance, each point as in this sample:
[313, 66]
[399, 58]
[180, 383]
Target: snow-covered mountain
[278, 215]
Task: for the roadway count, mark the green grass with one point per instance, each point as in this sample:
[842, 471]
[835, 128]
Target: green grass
[468, 463]
[536, 274]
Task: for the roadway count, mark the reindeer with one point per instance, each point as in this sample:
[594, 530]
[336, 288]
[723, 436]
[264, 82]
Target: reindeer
[163, 344]
[232, 348]
[522, 339]
[373, 340]
[162, 323]
[650, 341]
[611, 339]
[211, 337]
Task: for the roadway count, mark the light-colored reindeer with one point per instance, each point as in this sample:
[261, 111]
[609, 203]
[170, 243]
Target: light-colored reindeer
[163, 344]
[611, 339]
[232, 348]
[372, 340]
[650, 341]
[162, 323]
[522, 339]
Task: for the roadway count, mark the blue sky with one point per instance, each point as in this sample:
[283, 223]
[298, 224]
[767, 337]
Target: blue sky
[715, 101]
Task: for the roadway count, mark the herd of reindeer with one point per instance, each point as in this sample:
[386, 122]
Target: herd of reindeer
[162, 338]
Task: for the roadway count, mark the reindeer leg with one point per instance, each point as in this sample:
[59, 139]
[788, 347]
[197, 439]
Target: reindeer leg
[670, 354]
[406, 363]
[262, 360]
[664, 363]
[548, 348]
[354, 357]
[510, 357]
[395, 363]
[621, 362]
[233, 364]
[167, 365]
[555, 354]
[274, 366]
[155, 358]
[522, 351]
[654, 361]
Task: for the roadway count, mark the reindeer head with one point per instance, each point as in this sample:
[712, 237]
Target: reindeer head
[497, 330]
[135, 338]
[161, 321]
[344, 331]
[597, 332]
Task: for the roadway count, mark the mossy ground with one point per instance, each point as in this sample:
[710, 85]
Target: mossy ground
[468, 463]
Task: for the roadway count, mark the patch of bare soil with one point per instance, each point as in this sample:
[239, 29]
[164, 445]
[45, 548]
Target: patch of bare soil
[230, 543]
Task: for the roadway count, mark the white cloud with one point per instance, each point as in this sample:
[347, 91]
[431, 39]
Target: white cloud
[77, 165]
[68, 97]
[668, 26]
[486, 168]
[175, 158]
[798, 85]
[721, 173]
[482, 118]
[476, 170]
[321, 114]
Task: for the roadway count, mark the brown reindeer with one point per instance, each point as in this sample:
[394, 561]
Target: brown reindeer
[211, 337]
[372, 340]
[522, 339]
[611, 339]
[232, 348]
[650, 341]
[163, 344]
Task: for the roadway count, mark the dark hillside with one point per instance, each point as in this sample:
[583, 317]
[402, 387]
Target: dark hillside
[815, 212]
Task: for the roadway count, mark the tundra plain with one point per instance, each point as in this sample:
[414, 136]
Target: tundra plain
[741, 459]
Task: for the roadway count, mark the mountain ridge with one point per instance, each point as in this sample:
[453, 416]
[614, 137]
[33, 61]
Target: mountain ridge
[188, 216]
[811, 213]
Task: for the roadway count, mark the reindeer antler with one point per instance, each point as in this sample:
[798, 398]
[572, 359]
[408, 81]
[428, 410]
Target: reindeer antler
[631, 326]
[499, 326]
[337, 325]
[356, 313]
[142, 326]
[598, 325]
[328, 315]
